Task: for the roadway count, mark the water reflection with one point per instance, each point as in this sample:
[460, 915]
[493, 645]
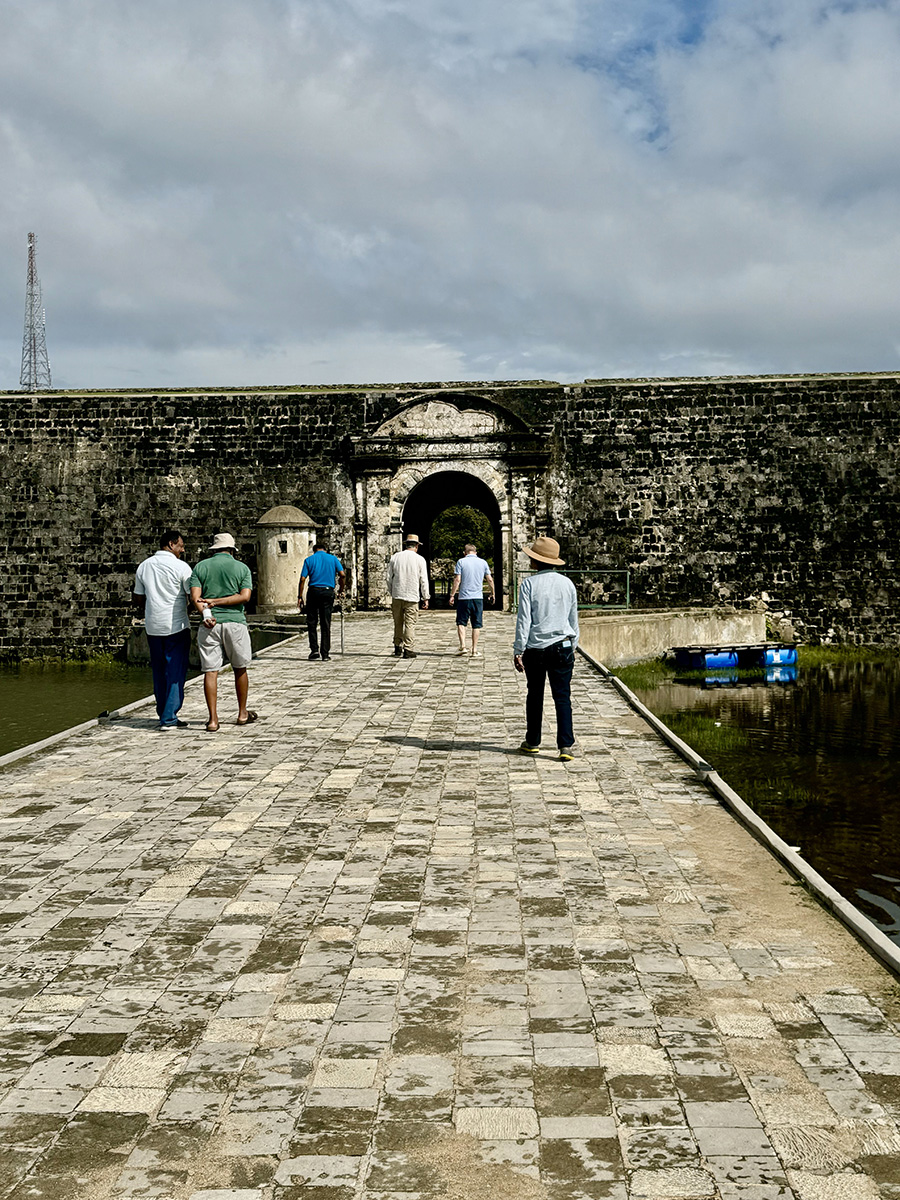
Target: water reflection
[40, 699]
[816, 752]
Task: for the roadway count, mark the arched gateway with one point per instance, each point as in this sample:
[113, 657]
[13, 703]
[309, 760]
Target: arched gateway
[435, 453]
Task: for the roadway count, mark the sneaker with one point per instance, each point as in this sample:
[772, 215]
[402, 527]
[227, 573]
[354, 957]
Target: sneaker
[462, 652]
[326, 658]
[526, 749]
[398, 652]
[315, 654]
[477, 654]
[566, 753]
[409, 654]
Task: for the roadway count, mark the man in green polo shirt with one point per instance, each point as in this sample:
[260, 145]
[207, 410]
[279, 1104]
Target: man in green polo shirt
[220, 587]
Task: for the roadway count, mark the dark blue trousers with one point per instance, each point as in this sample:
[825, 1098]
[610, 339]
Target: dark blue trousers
[169, 660]
[319, 607]
[554, 665]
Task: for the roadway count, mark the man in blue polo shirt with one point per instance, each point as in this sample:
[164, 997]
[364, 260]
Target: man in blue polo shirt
[321, 571]
[468, 582]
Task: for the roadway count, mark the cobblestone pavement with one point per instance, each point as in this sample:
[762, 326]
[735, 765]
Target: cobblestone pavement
[364, 949]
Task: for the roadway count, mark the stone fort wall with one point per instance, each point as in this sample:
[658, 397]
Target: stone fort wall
[713, 490]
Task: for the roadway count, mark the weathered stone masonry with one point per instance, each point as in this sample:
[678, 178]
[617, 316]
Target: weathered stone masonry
[709, 490]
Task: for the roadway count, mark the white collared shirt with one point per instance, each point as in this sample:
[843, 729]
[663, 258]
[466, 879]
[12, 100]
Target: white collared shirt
[163, 579]
[407, 576]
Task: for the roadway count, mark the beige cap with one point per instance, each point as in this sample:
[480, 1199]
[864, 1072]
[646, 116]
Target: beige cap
[410, 537]
[223, 541]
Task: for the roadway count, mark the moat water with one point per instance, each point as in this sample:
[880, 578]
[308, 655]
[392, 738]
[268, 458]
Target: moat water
[40, 699]
[818, 760]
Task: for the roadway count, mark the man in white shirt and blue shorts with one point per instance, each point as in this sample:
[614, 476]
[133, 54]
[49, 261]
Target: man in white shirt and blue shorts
[468, 584]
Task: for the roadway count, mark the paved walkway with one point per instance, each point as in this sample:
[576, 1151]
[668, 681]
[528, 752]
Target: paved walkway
[364, 949]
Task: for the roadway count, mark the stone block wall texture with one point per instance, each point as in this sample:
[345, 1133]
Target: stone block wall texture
[710, 491]
[723, 490]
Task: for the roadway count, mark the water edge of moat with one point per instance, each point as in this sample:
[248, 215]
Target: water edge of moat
[818, 759]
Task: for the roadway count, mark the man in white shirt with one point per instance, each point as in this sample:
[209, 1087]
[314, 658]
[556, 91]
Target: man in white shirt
[468, 582]
[407, 580]
[544, 646]
[161, 589]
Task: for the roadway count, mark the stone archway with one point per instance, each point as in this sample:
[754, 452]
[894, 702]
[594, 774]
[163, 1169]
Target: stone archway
[442, 490]
[484, 454]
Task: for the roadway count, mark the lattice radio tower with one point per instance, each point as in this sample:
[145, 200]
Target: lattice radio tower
[35, 364]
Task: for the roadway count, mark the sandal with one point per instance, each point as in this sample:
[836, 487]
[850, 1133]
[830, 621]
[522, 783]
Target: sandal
[212, 727]
[251, 717]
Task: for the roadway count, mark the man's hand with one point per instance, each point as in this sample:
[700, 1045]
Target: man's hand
[453, 598]
[517, 660]
[300, 604]
[424, 603]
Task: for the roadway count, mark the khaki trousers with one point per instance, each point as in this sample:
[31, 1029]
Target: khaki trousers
[406, 613]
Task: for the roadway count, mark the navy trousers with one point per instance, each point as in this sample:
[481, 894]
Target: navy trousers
[554, 664]
[319, 607]
[169, 661]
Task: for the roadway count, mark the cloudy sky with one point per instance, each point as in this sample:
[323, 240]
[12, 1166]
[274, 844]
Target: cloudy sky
[319, 191]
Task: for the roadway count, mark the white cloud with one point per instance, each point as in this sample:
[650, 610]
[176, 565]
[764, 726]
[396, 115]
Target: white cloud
[343, 190]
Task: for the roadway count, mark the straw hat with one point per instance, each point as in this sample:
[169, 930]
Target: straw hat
[223, 541]
[545, 550]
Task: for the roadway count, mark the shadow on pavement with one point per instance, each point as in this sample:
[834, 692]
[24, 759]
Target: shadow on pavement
[446, 745]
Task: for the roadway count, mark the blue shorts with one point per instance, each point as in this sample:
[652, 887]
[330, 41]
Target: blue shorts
[470, 608]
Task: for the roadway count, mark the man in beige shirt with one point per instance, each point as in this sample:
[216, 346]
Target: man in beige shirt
[407, 580]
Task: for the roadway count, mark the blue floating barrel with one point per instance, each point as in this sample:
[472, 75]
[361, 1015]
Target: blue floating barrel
[720, 659]
[692, 659]
[781, 656]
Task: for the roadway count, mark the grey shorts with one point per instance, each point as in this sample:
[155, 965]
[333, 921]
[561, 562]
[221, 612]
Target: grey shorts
[228, 639]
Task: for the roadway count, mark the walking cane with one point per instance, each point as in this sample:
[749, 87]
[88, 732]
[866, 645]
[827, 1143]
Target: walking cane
[341, 611]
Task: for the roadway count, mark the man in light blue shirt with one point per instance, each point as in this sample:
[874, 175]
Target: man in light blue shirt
[321, 571]
[468, 583]
[544, 646]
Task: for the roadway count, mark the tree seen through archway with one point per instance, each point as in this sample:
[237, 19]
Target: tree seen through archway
[457, 525]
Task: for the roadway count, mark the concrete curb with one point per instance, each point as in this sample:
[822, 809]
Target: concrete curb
[35, 747]
[859, 924]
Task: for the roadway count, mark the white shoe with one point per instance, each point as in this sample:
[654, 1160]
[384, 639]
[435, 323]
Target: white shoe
[461, 652]
[477, 654]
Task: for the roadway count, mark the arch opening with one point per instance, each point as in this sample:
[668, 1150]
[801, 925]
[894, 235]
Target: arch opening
[428, 501]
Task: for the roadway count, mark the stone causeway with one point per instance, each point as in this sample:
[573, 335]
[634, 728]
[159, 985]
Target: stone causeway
[364, 950]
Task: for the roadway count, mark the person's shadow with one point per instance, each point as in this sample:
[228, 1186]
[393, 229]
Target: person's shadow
[127, 721]
[445, 745]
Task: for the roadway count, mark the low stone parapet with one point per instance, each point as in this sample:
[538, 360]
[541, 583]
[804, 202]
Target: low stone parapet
[625, 637]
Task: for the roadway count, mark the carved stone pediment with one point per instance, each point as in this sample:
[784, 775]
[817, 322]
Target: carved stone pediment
[435, 428]
[438, 420]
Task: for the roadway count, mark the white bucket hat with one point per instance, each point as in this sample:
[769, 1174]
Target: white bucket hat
[223, 541]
